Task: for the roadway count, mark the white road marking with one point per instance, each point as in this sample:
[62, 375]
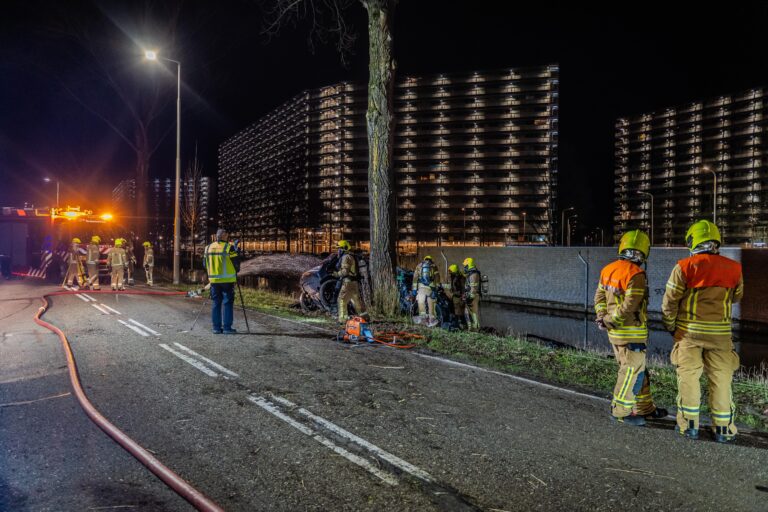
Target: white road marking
[513, 377]
[88, 297]
[355, 459]
[134, 328]
[111, 309]
[100, 309]
[82, 298]
[134, 322]
[385, 455]
[194, 362]
[211, 363]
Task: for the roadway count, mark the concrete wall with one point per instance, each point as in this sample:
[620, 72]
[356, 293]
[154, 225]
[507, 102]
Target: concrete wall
[554, 276]
[13, 242]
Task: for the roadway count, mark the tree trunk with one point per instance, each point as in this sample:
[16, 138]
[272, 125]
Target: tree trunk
[380, 173]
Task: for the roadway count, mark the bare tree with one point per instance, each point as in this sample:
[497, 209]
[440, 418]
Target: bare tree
[327, 21]
[191, 211]
[108, 70]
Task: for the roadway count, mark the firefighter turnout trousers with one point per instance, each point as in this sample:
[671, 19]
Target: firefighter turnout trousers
[632, 393]
[349, 293]
[718, 361]
[426, 302]
[473, 313]
[93, 275]
[117, 277]
[73, 274]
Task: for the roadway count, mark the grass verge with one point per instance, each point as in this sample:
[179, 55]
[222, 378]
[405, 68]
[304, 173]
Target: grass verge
[592, 371]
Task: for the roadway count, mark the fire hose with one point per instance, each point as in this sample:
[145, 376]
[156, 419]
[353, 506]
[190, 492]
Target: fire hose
[166, 475]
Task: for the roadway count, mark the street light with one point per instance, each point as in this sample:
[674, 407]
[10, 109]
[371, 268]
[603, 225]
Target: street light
[153, 56]
[574, 216]
[562, 224]
[48, 180]
[714, 193]
[651, 196]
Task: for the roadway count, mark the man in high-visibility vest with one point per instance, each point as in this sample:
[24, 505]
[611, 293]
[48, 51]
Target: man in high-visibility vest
[221, 261]
[696, 309]
[621, 305]
[349, 275]
[74, 275]
[116, 261]
[426, 279]
[149, 261]
[473, 290]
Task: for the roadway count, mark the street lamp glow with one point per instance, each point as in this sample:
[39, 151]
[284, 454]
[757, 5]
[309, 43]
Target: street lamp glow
[150, 55]
[106, 216]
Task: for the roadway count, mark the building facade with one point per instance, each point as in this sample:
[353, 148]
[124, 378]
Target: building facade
[475, 162]
[667, 162]
[161, 206]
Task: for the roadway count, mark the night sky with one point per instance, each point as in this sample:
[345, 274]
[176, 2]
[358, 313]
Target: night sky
[613, 63]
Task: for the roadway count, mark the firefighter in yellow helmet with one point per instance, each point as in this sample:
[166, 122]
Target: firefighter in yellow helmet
[130, 267]
[116, 261]
[621, 304]
[92, 262]
[148, 262]
[457, 283]
[348, 273]
[697, 309]
[426, 279]
[472, 292]
[75, 275]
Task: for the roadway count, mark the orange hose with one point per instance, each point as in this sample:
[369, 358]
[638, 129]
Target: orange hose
[167, 476]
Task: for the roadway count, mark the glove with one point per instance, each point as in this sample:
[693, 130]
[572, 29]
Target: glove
[600, 324]
[608, 324]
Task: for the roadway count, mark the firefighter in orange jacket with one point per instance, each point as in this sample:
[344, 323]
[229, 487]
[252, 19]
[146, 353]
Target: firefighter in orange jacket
[697, 310]
[621, 304]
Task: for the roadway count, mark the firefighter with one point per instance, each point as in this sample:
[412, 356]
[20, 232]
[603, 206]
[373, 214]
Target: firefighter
[697, 308]
[472, 291]
[116, 261]
[92, 262]
[621, 305]
[148, 262]
[131, 257]
[426, 279]
[221, 261]
[349, 275]
[74, 275]
[457, 285]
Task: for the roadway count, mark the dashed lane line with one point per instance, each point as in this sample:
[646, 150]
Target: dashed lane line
[88, 297]
[100, 309]
[82, 298]
[111, 309]
[142, 326]
[355, 459]
[383, 454]
[134, 328]
[214, 364]
[194, 362]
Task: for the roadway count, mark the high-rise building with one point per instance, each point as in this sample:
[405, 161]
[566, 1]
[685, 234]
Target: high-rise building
[161, 206]
[667, 162]
[475, 162]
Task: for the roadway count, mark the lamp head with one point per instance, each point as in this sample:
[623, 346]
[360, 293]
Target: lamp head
[150, 55]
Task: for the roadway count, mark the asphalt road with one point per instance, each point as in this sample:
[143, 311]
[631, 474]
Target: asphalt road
[286, 419]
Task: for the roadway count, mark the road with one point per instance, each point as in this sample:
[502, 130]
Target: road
[287, 419]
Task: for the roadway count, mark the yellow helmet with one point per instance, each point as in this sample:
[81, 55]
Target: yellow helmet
[147, 244]
[453, 269]
[118, 242]
[637, 240]
[96, 239]
[76, 241]
[344, 244]
[428, 257]
[700, 232]
[469, 263]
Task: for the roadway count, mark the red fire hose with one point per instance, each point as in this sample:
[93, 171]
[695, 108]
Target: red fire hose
[168, 477]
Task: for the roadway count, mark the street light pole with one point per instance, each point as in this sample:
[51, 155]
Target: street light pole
[569, 227]
[562, 224]
[48, 180]
[714, 193]
[651, 197]
[151, 55]
[464, 231]
[524, 217]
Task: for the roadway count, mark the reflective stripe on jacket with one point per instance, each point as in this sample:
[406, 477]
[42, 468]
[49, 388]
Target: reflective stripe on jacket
[700, 294]
[218, 262]
[621, 301]
[117, 257]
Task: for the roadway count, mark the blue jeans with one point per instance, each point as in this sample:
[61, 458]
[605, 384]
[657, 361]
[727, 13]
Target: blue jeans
[222, 294]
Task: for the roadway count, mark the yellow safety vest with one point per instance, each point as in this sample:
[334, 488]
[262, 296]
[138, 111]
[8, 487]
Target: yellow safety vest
[218, 263]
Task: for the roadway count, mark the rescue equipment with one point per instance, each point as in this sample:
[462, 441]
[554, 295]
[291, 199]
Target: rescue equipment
[357, 330]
